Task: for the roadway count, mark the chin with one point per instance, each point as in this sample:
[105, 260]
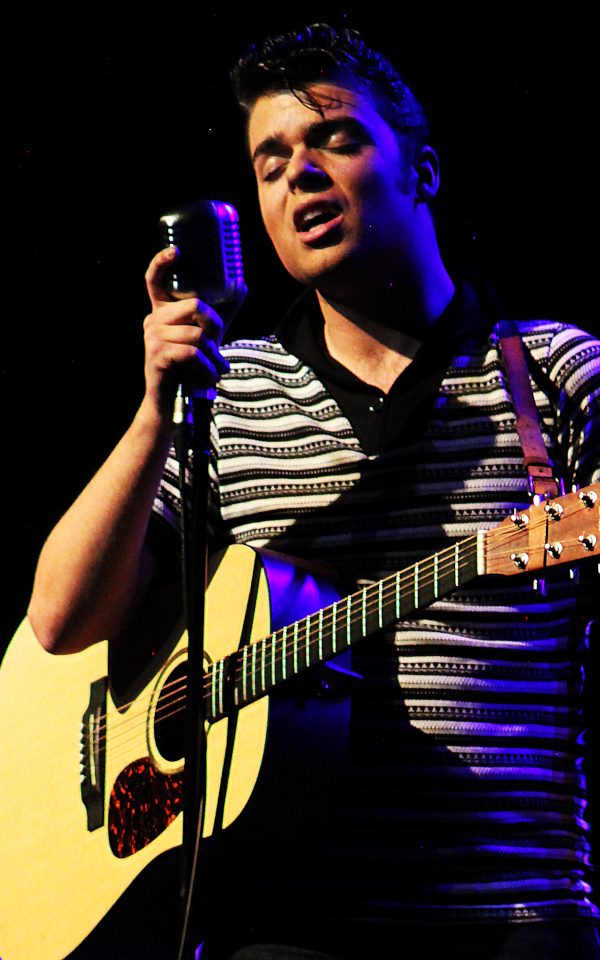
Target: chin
[340, 274]
[331, 265]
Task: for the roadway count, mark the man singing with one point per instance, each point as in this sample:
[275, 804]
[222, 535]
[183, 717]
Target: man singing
[376, 427]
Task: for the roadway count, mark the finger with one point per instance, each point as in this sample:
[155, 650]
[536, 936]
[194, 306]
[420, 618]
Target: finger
[155, 275]
[203, 365]
[180, 343]
[190, 312]
[204, 346]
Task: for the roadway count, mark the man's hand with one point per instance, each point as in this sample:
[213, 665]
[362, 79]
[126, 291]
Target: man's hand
[182, 339]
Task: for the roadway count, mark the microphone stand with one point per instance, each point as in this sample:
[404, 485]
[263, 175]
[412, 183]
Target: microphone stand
[193, 417]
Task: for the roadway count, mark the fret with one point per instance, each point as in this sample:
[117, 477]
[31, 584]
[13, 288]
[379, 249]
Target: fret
[435, 576]
[364, 611]
[263, 665]
[273, 661]
[245, 674]
[321, 634]
[253, 669]
[220, 667]
[416, 585]
[380, 604]
[284, 653]
[307, 642]
[296, 647]
[456, 566]
[398, 595]
[349, 619]
[334, 628]
[213, 688]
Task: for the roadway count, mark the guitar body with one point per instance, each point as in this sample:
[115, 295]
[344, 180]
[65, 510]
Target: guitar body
[71, 843]
[73, 838]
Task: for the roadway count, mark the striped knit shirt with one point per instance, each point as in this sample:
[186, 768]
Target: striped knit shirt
[464, 794]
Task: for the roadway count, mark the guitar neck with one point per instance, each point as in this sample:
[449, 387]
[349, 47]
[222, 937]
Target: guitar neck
[256, 669]
[549, 533]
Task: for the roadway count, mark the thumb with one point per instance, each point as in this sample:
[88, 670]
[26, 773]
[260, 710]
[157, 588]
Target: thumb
[155, 276]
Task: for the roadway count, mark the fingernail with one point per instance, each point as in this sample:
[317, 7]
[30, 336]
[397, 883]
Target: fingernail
[171, 252]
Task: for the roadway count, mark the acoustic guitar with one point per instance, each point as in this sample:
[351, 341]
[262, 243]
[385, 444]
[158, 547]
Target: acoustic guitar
[91, 789]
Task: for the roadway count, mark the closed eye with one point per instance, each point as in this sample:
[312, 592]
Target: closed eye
[274, 166]
[342, 135]
[350, 147]
[271, 171]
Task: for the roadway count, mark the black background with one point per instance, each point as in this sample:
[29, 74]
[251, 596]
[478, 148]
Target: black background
[111, 121]
[111, 118]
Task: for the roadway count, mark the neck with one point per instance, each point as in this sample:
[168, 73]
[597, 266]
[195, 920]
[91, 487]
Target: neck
[377, 333]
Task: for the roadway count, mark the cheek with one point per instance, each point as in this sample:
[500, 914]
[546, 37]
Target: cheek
[276, 237]
[272, 219]
[385, 193]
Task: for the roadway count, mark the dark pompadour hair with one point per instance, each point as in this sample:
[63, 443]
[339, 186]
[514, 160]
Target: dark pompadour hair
[308, 54]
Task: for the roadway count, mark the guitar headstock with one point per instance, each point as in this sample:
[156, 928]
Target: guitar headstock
[563, 530]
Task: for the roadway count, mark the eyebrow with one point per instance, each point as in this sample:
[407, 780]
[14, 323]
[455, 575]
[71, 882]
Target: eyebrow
[275, 145]
[268, 147]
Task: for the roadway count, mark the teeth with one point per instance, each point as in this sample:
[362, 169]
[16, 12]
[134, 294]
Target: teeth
[325, 212]
[312, 214]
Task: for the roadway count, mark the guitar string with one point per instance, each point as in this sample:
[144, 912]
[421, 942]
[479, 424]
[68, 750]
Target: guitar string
[180, 693]
[300, 651]
[356, 618]
[178, 686]
[377, 596]
[173, 693]
[173, 704]
[165, 704]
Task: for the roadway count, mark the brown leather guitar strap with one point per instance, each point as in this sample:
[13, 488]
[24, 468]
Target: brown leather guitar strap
[538, 464]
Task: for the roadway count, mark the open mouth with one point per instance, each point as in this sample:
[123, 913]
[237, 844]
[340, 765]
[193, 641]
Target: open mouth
[317, 220]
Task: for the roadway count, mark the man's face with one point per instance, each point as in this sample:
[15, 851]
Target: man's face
[334, 186]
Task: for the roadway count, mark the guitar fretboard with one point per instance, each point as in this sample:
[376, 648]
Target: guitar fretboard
[257, 668]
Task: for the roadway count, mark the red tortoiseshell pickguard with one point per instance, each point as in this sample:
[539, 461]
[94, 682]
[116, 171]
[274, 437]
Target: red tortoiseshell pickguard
[143, 802]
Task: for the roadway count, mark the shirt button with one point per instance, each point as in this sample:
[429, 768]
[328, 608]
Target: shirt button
[376, 406]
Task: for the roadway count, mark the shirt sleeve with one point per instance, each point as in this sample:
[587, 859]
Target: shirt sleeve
[573, 365]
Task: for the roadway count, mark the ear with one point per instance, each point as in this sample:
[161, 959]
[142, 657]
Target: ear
[426, 165]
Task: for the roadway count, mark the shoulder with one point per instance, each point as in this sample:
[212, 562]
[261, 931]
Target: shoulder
[567, 354]
[260, 352]
[263, 370]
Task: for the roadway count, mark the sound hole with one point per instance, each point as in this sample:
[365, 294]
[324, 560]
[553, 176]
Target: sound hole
[170, 713]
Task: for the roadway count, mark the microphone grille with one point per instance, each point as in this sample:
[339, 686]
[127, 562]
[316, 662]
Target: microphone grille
[209, 266]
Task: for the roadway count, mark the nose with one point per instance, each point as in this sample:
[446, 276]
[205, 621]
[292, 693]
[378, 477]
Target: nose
[305, 174]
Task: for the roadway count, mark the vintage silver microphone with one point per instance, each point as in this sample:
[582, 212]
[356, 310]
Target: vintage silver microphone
[209, 265]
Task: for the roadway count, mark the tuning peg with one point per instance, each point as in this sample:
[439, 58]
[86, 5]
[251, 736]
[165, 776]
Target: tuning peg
[554, 549]
[519, 519]
[520, 559]
[554, 510]
[588, 497]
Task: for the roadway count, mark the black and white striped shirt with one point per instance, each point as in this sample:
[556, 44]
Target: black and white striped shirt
[465, 796]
